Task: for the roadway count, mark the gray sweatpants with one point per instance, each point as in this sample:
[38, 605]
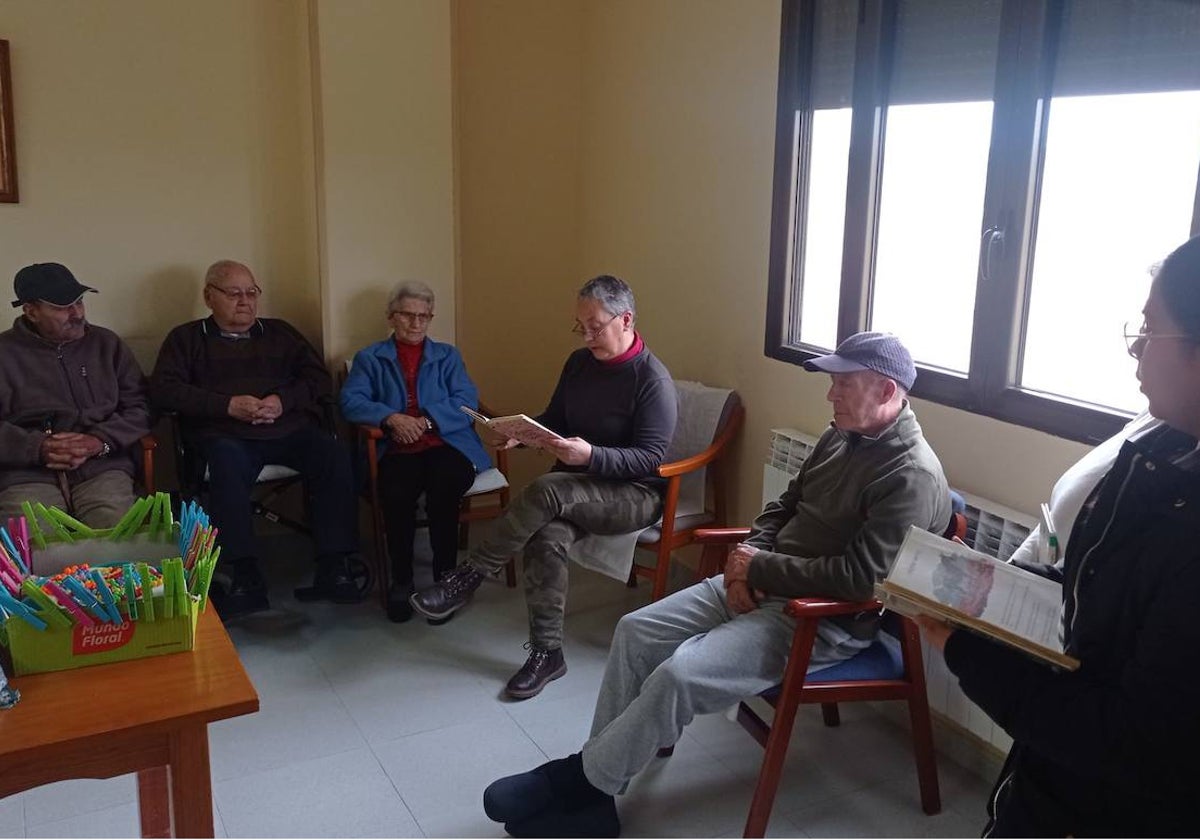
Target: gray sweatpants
[100, 501]
[552, 512]
[683, 656]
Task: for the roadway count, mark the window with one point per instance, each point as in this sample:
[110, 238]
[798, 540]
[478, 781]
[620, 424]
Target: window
[991, 180]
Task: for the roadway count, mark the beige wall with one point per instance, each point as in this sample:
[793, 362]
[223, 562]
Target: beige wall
[675, 128]
[385, 162]
[577, 136]
[154, 138]
[517, 87]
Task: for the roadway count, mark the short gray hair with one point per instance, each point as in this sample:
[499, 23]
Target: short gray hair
[613, 293]
[224, 269]
[410, 289]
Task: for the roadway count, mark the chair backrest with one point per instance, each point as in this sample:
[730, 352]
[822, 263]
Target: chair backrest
[704, 411]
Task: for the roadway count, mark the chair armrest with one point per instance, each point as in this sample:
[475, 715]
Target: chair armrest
[720, 536]
[149, 443]
[822, 607]
[370, 432]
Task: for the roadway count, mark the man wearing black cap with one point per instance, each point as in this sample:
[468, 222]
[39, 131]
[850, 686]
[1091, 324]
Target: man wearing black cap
[72, 404]
[833, 533]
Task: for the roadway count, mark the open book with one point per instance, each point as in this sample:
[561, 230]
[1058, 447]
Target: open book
[519, 427]
[934, 576]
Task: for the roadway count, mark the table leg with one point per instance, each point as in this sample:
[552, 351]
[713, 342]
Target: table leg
[191, 782]
[154, 804]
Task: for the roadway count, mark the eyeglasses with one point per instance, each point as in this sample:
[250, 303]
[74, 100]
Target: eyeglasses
[237, 294]
[413, 317]
[592, 332]
[1135, 341]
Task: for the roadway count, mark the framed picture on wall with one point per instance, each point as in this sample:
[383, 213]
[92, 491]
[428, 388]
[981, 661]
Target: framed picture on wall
[8, 141]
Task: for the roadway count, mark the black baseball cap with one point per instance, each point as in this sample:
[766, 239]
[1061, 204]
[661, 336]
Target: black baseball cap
[50, 282]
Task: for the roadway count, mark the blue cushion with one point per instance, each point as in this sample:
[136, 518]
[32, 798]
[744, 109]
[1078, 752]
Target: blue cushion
[883, 660]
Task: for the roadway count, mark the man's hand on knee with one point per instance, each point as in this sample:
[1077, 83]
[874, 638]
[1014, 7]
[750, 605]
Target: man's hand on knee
[741, 599]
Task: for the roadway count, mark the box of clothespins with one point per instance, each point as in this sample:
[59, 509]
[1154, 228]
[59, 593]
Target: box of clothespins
[72, 596]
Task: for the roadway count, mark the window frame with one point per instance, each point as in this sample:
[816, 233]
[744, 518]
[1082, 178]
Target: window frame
[1020, 116]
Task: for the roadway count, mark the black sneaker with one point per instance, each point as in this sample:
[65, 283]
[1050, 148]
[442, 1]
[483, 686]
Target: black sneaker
[541, 667]
[448, 595]
[247, 592]
[333, 581]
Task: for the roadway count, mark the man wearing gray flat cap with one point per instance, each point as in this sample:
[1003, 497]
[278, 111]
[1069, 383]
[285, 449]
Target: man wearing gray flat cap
[72, 404]
[833, 533]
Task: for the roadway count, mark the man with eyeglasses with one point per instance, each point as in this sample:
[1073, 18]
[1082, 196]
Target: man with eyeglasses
[832, 533]
[615, 407]
[72, 404]
[248, 392]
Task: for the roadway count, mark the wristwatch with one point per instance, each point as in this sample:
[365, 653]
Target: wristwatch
[105, 450]
[428, 424]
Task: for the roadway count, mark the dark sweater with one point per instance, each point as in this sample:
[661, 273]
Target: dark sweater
[92, 385]
[198, 371]
[626, 411]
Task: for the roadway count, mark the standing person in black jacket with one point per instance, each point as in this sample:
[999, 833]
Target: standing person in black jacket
[615, 408]
[247, 391]
[1111, 749]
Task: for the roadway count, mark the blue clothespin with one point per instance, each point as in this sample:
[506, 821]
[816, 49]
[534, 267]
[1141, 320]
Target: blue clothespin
[14, 607]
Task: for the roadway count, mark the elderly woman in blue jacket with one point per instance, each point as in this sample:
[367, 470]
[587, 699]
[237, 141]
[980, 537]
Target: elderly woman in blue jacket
[413, 388]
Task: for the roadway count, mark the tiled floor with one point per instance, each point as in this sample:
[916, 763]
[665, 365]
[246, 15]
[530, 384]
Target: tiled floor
[370, 729]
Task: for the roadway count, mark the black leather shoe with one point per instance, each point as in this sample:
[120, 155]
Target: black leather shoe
[398, 608]
[247, 592]
[448, 595]
[541, 667]
[334, 581]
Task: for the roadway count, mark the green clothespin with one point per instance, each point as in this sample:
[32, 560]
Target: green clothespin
[146, 602]
[132, 520]
[47, 609]
[35, 532]
[67, 521]
[55, 526]
[131, 607]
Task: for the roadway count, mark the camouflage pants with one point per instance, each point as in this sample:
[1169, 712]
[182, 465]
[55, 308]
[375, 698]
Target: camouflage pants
[544, 520]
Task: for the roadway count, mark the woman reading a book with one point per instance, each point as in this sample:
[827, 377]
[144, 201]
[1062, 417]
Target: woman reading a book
[1110, 749]
[614, 409]
[413, 388]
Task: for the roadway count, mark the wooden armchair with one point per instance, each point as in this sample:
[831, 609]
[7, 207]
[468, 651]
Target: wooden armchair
[884, 671]
[700, 462]
[487, 498]
[148, 444]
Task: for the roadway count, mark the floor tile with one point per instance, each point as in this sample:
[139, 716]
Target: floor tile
[114, 821]
[345, 795]
[12, 816]
[888, 809]
[441, 775]
[686, 795]
[62, 800]
[286, 729]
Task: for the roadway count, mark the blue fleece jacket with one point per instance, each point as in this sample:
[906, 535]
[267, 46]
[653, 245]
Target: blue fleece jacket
[375, 389]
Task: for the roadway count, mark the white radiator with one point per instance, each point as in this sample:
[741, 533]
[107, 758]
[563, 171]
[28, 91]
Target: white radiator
[991, 528]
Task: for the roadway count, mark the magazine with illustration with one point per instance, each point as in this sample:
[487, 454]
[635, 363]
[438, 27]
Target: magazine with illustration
[944, 579]
[519, 427]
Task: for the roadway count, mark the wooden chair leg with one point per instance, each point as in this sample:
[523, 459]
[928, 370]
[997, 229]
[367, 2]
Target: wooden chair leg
[781, 730]
[922, 727]
[661, 570]
[830, 714]
[510, 573]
